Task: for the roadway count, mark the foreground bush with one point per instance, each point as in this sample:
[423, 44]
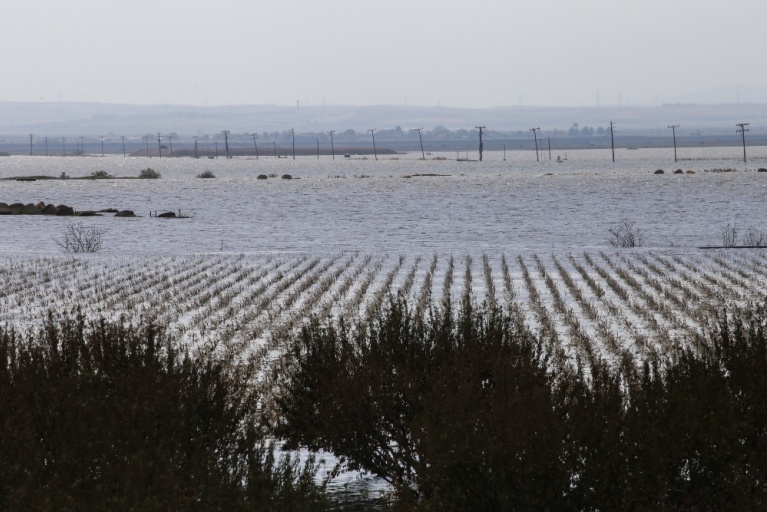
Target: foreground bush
[467, 411]
[109, 416]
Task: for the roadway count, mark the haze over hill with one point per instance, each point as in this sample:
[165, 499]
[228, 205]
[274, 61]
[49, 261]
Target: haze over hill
[95, 119]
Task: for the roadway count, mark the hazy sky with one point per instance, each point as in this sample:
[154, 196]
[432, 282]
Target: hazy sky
[463, 53]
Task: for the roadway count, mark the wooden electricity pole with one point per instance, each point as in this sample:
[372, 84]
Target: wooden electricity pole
[421, 139]
[673, 134]
[742, 131]
[255, 142]
[226, 142]
[612, 139]
[481, 144]
[535, 134]
[373, 133]
[332, 146]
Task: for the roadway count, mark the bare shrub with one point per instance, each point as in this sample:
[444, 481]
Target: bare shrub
[92, 411]
[80, 238]
[625, 234]
[754, 238]
[729, 236]
[149, 174]
[206, 174]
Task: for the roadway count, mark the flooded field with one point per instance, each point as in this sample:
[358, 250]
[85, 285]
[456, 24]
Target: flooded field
[399, 204]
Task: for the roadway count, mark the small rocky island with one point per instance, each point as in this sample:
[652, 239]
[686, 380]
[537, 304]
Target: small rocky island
[62, 210]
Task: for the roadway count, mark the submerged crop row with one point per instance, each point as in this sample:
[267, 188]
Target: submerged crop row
[590, 304]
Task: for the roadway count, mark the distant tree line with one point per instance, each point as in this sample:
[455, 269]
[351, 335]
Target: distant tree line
[437, 133]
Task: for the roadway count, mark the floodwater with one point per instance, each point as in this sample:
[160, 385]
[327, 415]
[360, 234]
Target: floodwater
[363, 204]
[468, 208]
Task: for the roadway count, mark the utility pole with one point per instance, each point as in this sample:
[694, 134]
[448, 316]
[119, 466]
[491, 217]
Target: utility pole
[159, 146]
[226, 143]
[421, 139]
[549, 148]
[30, 144]
[535, 134]
[612, 139]
[373, 133]
[255, 143]
[481, 144]
[196, 153]
[742, 131]
[123, 137]
[293, 132]
[102, 145]
[332, 147]
[673, 133]
[504, 151]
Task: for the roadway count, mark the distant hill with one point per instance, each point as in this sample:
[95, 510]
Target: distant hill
[94, 119]
[723, 95]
